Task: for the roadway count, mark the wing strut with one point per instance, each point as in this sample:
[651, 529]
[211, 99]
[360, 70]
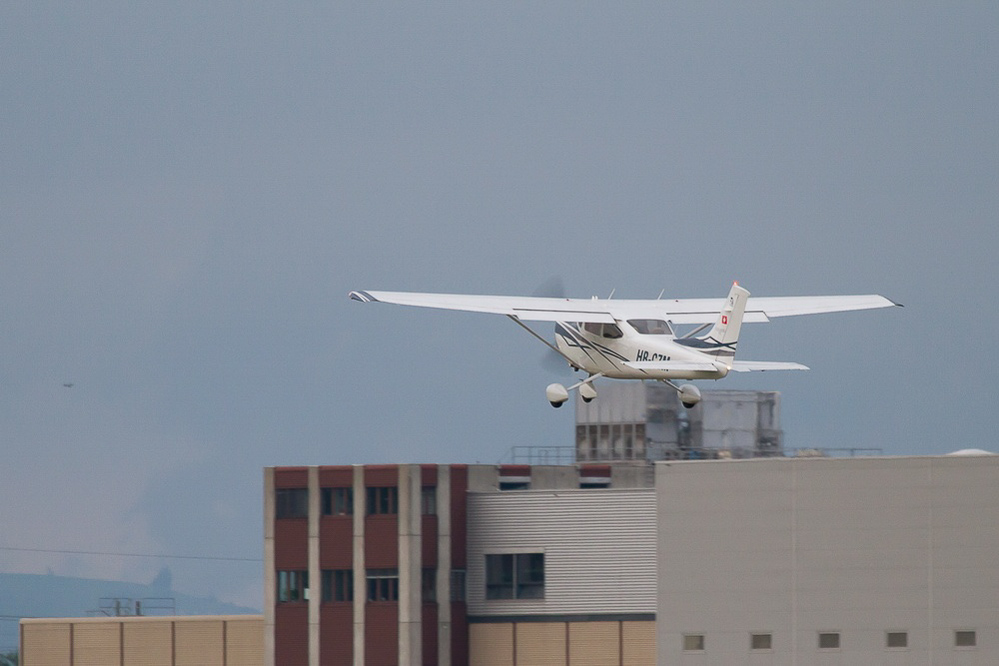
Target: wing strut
[548, 344]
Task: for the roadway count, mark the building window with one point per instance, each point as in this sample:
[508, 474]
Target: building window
[291, 503]
[337, 501]
[897, 639]
[829, 640]
[428, 585]
[428, 501]
[292, 586]
[965, 639]
[514, 483]
[693, 642]
[338, 585]
[458, 585]
[382, 501]
[761, 641]
[515, 576]
[383, 584]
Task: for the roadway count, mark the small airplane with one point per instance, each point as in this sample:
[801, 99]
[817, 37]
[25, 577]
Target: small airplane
[638, 339]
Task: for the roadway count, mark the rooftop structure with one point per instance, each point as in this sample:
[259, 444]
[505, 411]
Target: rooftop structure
[638, 421]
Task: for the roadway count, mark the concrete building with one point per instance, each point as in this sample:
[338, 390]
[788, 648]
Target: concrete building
[829, 561]
[777, 561]
[400, 556]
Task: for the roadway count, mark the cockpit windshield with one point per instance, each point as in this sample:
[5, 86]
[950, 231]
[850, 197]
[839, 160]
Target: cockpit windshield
[651, 326]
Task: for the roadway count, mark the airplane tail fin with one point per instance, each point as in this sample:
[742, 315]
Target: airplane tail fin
[723, 337]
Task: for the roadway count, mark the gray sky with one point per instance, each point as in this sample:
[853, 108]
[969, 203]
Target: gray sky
[190, 192]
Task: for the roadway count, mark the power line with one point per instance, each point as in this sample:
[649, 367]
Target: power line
[156, 555]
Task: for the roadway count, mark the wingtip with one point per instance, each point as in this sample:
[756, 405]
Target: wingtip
[362, 296]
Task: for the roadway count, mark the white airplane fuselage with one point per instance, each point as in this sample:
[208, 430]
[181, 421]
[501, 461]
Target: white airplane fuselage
[606, 349]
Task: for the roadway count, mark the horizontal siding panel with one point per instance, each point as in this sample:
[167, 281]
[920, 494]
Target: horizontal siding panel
[96, 644]
[541, 643]
[148, 643]
[491, 644]
[638, 643]
[599, 545]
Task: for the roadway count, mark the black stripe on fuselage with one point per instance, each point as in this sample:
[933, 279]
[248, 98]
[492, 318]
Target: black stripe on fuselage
[709, 345]
[576, 339]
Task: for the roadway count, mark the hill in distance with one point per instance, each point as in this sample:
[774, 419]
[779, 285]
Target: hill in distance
[46, 595]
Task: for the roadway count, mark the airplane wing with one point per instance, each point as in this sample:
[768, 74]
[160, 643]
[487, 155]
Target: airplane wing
[678, 311]
[763, 366]
[527, 308]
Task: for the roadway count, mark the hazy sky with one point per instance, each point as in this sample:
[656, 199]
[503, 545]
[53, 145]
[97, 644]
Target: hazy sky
[189, 192]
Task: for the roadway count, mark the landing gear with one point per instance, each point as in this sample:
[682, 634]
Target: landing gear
[689, 394]
[558, 394]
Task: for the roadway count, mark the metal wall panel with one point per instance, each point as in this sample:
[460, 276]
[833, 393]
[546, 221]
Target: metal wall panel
[244, 643]
[599, 546]
[541, 643]
[96, 644]
[638, 643]
[151, 643]
[199, 643]
[594, 643]
[491, 644]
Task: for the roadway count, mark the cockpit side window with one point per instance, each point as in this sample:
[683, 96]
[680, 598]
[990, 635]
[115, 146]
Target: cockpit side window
[603, 330]
[651, 326]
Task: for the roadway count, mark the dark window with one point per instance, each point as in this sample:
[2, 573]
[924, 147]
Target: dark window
[458, 585]
[693, 642]
[338, 585]
[429, 585]
[650, 326]
[428, 501]
[896, 639]
[291, 503]
[603, 330]
[383, 584]
[829, 640]
[760, 641]
[515, 576]
[337, 501]
[383, 500]
[514, 483]
[292, 586]
[965, 639]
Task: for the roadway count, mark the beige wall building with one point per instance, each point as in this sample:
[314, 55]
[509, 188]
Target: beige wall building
[223, 640]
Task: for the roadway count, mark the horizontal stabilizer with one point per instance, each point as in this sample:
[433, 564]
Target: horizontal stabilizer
[763, 366]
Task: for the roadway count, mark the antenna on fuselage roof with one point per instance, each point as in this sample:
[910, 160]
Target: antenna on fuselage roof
[660, 296]
[612, 293]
